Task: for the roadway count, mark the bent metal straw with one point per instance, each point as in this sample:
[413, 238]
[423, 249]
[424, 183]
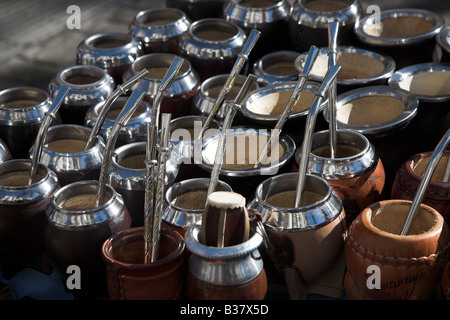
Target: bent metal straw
[295, 96]
[154, 194]
[333, 28]
[49, 116]
[432, 165]
[126, 113]
[162, 90]
[121, 89]
[242, 58]
[309, 128]
[234, 106]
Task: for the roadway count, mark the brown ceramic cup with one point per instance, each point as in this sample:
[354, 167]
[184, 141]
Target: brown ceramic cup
[409, 176]
[409, 266]
[129, 278]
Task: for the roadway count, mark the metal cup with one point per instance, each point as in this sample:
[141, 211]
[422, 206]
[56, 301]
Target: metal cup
[443, 45]
[88, 85]
[22, 216]
[241, 153]
[359, 67]
[128, 173]
[208, 93]
[356, 173]
[408, 178]
[305, 241]
[308, 22]
[185, 201]
[224, 273]
[383, 114]
[135, 128]
[159, 29]
[63, 152]
[429, 83]
[264, 106]
[112, 51]
[397, 31]
[198, 9]
[184, 133]
[77, 230]
[212, 46]
[178, 99]
[269, 17]
[277, 66]
[22, 109]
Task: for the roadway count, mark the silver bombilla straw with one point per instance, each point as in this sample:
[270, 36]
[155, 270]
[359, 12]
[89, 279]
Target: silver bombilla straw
[333, 28]
[242, 58]
[234, 106]
[150, 165]
[166, 82]
[42, 133]
[432, 165]
[163, 151]
[120, 90]
[122, 119]
[162, 90]
[309, 128]
[295, 96]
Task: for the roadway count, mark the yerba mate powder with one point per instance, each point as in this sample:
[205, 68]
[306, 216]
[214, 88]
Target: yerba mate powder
[20, 103]
[133, 162]
[420, 166]
[192, 200]
[274, 103]
[241, 152]
[428, 83]
[66, 145]
[370, 110]
[398, 27]
[80, 203]
[286, 199]
[353, 66]
[392, 218]
[17, 179]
